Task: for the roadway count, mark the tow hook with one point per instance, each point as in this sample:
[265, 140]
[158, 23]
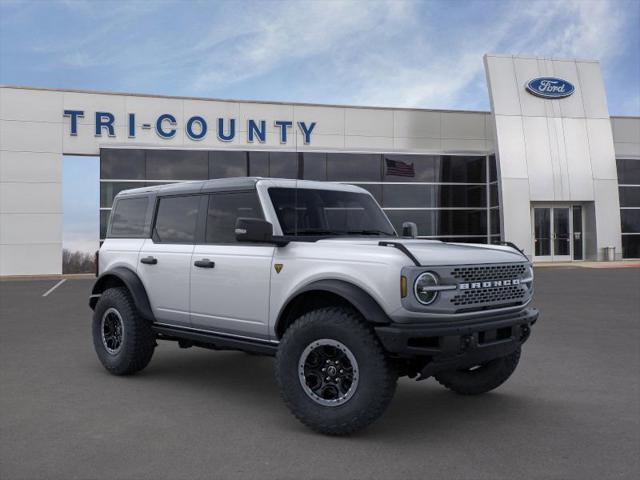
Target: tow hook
[524, 333]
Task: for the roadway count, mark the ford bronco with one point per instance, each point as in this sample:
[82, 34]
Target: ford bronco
[314, 274]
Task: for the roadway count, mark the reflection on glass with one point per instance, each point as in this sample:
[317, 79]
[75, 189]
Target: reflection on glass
[631, 246]
[495, 220]
[283, 165]
[542, 228]
[177, 165]
[433, 196]
[104, 222]
[373, 189]
[258, 164]
[630, 221]
[561, 239]
[442, 222]
[108, 191]
[223, 164]
[353, 167]
[629, 196]
[224, 209]
[176, 219]
[628, 171]
[314, 166]
[122, 164]
[493, 169]
[129, 216]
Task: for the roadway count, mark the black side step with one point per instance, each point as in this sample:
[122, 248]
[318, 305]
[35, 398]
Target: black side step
[216, 341]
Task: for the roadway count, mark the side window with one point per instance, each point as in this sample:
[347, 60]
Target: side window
[128, 218]
[224, 209]
[176, 219]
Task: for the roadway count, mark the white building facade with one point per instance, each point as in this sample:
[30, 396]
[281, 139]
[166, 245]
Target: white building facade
[547, 168]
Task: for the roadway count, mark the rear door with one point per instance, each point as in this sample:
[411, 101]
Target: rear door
[165, 258]
[230, 280]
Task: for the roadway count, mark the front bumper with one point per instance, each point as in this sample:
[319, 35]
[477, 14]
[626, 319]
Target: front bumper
[449, 345]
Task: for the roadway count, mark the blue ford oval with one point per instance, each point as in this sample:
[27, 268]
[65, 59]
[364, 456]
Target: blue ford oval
[550, 87]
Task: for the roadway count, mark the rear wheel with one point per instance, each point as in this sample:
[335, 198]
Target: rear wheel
[333, 374]
[480, 378]
[123, 340]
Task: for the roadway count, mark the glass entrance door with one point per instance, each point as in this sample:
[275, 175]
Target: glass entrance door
[542, 233]
[557, 233]
[561, 234]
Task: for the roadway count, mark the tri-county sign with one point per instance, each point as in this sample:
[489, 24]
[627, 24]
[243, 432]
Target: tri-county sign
[550, 87]
[196, 127]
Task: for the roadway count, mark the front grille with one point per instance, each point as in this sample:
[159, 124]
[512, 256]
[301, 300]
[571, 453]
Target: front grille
[489, 272]
[483, 286]
[510, 294]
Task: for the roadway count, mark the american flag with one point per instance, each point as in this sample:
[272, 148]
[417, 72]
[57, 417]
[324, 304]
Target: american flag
[399, 168]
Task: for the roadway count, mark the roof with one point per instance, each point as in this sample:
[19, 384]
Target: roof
[232, 100]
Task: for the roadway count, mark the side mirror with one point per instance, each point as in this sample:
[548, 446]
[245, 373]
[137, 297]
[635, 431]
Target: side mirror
[409, 229]
[253, 230]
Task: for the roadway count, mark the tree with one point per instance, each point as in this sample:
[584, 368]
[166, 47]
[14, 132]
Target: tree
[77, 262]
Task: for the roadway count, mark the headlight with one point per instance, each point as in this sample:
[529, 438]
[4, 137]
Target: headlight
[425, 288]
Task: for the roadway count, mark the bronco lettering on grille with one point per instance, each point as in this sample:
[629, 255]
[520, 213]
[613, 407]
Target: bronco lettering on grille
[489, 284]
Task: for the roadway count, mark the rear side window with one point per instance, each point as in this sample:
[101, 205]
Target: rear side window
[224, 210]
[176, 219]
[128, 218]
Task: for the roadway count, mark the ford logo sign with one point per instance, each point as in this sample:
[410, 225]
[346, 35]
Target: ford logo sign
[550, 87]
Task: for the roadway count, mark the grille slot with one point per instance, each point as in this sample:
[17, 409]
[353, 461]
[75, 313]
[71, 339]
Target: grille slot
[489, 272]
[482, 296]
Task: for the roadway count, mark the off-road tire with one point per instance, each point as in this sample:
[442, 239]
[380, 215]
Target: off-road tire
[138, 341]
[482, 379]
[377, 377]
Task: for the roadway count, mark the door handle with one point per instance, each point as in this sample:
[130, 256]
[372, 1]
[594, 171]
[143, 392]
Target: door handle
[204, 263]
[149, 260]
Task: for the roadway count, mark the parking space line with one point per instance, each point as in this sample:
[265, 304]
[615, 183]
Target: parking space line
[54, 287]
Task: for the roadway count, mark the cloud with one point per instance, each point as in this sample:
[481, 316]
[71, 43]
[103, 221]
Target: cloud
[387, 52]
[279, 37]
[561, 29]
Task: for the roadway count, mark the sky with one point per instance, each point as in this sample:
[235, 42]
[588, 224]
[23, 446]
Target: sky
[379, 53]
[80, 203]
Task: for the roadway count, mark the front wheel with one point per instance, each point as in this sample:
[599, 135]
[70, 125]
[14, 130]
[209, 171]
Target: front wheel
[481, 378]
[123, 340]
[332, 372]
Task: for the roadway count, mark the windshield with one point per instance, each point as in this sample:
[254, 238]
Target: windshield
[328, 212]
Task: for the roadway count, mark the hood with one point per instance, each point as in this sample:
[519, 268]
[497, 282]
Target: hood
[435, 252]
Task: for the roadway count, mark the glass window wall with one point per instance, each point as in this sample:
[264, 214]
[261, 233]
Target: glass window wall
[447, 196]
[629, 191]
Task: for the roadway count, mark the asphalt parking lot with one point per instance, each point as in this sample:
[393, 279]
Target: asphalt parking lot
[571, 410]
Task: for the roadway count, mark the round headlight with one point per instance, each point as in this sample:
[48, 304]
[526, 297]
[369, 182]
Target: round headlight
[422, 288]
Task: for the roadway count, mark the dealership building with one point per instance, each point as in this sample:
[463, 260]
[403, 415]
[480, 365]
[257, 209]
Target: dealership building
[547, 168]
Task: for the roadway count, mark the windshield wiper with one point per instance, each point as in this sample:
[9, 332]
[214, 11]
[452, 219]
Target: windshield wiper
[319, 232]
[342, 232]
[369, 232]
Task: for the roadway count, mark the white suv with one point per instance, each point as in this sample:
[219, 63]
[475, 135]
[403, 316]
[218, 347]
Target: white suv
[315, 274]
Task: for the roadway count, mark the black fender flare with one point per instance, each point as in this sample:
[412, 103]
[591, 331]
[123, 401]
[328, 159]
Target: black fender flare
[133, 284]
[356, 296]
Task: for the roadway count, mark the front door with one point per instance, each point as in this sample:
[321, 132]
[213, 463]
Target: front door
[557, 233]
